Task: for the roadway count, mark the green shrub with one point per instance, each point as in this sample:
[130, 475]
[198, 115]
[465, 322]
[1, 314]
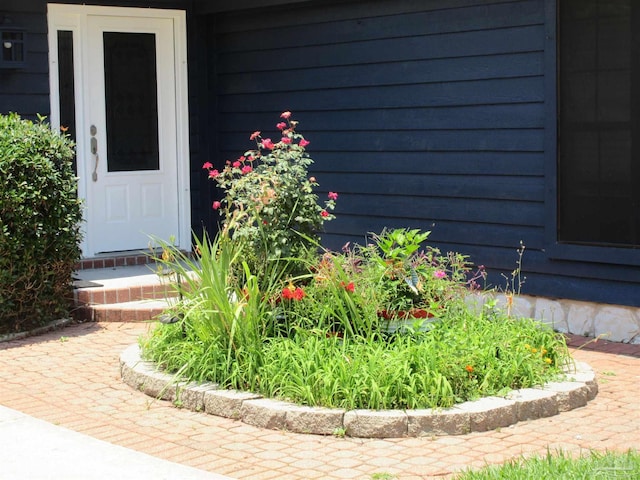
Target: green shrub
[40, 218]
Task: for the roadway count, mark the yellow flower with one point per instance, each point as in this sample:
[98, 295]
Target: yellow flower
[543, 350]
[534, 350]
[527, 346]
[547, 360]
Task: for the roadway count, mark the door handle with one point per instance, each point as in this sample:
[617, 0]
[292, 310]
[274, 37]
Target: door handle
[94, 151]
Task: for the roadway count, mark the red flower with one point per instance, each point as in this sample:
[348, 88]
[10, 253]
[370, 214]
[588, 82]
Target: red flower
[236, 164]
[292, 293]
[216, 205]
[213, 173]
[246, 169]
[469, 368]
[324, 213]
[207, 165]
[349, 287]
[304, 143]
[254, 135]
[267, 143]
[332, 196]
[281, 126]
[285, 115]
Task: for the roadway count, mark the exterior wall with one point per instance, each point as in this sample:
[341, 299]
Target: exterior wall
[26, 91]
[436, 115]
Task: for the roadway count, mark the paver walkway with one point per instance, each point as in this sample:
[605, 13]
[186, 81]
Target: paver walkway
[71, 378]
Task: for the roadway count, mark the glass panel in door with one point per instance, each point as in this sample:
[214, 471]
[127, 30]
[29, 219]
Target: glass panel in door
[131, 101]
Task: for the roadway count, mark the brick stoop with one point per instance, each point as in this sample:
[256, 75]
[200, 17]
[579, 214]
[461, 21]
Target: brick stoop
[121, 293]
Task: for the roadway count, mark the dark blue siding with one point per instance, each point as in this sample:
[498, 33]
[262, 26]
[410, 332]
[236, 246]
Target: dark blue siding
[421, 114]
[429, 115]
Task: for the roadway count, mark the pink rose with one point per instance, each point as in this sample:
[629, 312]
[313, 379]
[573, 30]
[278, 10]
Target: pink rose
[213, 173]
[267, 143]
[286, 140]
[304, 143]
[324, 213]
[332, 196]
[254, 135]
[216, 205]
[236, 164]
[285, 115]
[281, 126]
[207, 165]
[246, 169]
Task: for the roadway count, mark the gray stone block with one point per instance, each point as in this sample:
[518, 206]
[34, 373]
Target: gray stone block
[376, 423]
[569, 395]
[191, 396]
[532, 403]
[226, 403]
[265, 413]
[321, 421]
[490, 413]
[449, 421]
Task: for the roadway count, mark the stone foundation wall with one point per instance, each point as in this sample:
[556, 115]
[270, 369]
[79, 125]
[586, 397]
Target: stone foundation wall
[613, 322]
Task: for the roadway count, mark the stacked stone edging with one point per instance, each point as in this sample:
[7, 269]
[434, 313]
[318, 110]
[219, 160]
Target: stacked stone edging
[614, 323]
[481, 415]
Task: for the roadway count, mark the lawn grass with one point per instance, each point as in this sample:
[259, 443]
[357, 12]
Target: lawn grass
[562, 466]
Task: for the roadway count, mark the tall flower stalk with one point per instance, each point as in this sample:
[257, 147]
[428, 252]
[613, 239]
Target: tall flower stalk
[269, 205]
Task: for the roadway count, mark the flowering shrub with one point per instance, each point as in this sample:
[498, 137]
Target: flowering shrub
[270, 206]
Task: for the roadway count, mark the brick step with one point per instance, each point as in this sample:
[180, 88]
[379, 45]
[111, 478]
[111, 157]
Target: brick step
[134, 311]
[122, 294]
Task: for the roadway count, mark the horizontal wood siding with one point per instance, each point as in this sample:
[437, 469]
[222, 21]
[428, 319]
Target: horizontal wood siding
[420, 114]
[26, 90]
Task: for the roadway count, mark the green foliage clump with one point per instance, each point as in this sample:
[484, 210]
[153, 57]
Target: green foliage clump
[40, 216]
[319, 339]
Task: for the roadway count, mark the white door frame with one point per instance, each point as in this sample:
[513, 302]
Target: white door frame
[74, 18]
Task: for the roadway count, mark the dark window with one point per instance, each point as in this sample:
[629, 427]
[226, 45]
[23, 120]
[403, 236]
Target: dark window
[131, 101]
[66, 85]
[599, 122]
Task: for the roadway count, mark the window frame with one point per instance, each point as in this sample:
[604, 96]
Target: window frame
[555, 249]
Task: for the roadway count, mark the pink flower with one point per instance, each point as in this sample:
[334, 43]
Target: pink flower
[236, 164]
[254, 135]
[246, 169]
[439, 274]
[324, 213]
[281, 126]
[267, 143]
[286, 140]
[304, 143]
[207, 165]
[216, 205]
[332, 196]
[285, 115]
[213, 173]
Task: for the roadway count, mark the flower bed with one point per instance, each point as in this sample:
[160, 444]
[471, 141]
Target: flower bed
[267, 310]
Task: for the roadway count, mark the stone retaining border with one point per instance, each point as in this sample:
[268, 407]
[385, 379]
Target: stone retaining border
[481, 415]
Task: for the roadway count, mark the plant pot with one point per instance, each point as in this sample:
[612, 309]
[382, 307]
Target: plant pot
[414, 320]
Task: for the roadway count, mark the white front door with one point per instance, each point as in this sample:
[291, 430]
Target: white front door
[128, 126]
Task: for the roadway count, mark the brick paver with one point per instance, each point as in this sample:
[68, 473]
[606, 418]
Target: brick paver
[71, 378]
